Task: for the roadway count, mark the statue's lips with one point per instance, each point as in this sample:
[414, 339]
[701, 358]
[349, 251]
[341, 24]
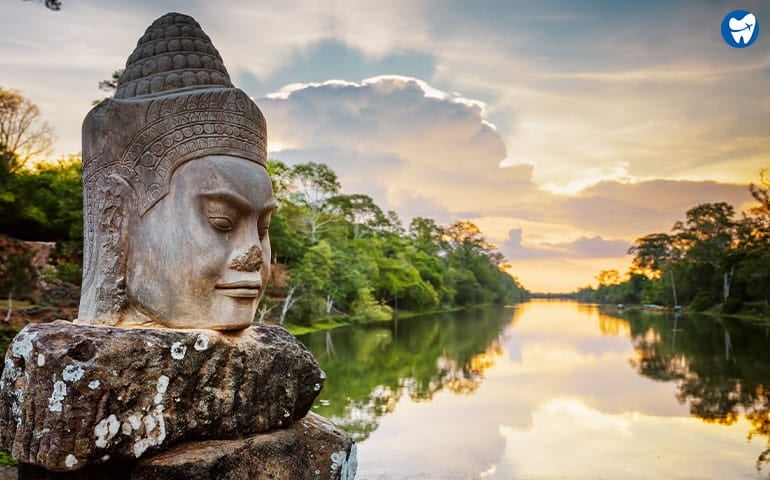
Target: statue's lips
[239, 289]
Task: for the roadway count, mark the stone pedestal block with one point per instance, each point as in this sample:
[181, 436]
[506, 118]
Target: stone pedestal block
[310, 449]
[74, 395]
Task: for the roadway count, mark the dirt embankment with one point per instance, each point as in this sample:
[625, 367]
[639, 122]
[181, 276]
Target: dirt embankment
[21, 316]
[46, 299]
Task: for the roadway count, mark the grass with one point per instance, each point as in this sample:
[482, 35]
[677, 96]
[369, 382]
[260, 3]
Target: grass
[315, 327]
[331, 323]
[15, 304]
[749, 316]
[715, 311]
[7, 459]
[402, 314]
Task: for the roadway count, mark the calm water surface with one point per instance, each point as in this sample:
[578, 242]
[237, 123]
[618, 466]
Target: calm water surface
[551, 389]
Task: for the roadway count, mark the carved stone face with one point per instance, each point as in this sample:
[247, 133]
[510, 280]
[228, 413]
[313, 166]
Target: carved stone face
[200, 258]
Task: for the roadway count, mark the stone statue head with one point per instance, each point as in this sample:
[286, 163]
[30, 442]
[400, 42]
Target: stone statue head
[176, 195]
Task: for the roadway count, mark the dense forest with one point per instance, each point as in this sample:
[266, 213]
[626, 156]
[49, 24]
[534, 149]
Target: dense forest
[344, 255]
[335, 255]
[711, 259]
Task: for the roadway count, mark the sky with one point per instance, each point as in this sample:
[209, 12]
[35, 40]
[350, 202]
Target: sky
[565, 130]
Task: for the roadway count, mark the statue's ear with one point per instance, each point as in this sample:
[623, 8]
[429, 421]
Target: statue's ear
[111, 207]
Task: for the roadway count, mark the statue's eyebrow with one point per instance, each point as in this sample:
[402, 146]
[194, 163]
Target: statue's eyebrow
[233, 198]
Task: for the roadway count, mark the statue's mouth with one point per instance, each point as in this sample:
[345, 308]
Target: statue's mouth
[243, 289]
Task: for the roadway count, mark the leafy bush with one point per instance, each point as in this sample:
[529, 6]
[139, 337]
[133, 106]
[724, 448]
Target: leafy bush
[366, 309]
[308, 309]
[69, 272]
[702, 301]
[17, 274]
[732, 305]
[45, 203]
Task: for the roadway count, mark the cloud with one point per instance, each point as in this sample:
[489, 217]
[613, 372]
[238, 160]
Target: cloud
[579, 110]
[268, 37]
[596, 247]
[628, 209]
[583, 247]
[400, 135]
[331, 58]
[624, 210]
[602, 140]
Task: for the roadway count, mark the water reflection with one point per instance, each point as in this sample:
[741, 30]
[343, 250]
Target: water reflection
[369, 368]
[721, 367]
[550, 390]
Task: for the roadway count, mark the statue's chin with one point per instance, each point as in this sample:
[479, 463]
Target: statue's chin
[238, 317]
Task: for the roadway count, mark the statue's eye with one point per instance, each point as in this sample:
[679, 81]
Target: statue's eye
[221, 223]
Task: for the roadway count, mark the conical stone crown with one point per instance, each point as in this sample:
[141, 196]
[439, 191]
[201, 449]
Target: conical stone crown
[173, 54]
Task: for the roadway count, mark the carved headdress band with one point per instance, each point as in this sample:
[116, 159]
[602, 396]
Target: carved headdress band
[174, 103]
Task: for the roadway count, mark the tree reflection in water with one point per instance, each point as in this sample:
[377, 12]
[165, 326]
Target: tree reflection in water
[371, 367]
[722, 366]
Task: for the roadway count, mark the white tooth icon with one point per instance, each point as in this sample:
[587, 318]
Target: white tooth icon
[742, 30]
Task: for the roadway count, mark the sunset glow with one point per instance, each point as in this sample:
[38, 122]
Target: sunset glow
[522, 117]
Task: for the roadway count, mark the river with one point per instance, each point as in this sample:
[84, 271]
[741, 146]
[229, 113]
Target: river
[550, 390]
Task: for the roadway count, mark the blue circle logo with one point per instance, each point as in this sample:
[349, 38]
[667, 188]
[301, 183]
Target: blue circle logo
[740, 28]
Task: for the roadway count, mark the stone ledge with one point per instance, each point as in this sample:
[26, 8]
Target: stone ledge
[74, 395]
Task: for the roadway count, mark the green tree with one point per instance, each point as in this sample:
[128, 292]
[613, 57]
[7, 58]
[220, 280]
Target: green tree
[393, 225]
[361, 212]
[426, 235]
[654, 256]
[366, 309]
[110, 85]
[354, 269]
[279, 175]
[311, 185]
[401, 285]
[433, 271]
[652, 253]
[45, 203]
[312, 281]
[466, 242]
[17, 274]
[708, 236]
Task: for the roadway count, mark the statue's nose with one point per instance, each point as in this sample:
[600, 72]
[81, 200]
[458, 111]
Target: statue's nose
[248, 261]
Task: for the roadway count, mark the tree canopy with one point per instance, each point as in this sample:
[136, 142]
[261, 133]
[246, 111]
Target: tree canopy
[345, 256]
[23, 134]
[711, 257]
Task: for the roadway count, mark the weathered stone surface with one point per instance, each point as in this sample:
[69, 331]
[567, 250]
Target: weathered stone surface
[74, 395]
[176, 194]
[311, 448]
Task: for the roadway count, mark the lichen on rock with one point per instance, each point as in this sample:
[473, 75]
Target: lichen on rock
[126, 393]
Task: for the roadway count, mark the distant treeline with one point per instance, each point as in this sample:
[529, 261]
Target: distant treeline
[338, 255]
[712, 258]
